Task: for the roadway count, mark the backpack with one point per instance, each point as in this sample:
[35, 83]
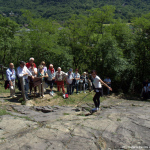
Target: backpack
[66, 95]
[6, 85]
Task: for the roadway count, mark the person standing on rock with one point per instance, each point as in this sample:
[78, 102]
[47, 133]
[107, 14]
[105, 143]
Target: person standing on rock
[97, 82]
[11, 76]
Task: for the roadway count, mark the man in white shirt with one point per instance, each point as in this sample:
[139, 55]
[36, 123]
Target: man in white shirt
[108, 82]
[69, 79]
[22, 71]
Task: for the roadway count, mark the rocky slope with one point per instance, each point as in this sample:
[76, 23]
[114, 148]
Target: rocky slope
[121, 124]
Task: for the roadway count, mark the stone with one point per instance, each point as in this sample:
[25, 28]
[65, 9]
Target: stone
[120, 124]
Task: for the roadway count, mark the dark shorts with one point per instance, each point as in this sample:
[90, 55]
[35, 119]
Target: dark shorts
[99, 90]
[51, 83]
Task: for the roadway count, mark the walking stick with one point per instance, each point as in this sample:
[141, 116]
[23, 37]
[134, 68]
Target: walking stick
[83, 99]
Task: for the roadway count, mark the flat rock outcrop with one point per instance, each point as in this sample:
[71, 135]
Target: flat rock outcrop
[120, 124]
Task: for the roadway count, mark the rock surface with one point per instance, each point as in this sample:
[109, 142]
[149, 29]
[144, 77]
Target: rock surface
[121, 124]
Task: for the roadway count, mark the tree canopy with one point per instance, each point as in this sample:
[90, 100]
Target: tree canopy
[63, 9]
[95, 40]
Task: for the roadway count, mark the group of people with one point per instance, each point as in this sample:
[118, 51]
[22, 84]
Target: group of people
[50, 76]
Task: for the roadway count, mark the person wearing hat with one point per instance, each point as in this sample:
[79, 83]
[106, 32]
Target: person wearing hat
[69, 79]
[11, 76]
[51, 78]
[31, 61]
[22, 71]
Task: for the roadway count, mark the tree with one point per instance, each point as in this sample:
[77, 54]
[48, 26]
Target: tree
[8, 29]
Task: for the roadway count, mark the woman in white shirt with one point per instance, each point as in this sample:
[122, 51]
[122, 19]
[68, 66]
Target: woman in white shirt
[33, 71]
[98, 89]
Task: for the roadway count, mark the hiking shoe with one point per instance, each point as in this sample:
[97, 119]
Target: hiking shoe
[97, 108]
[94, 109]
[14, 96]
[51, 93]
[63, 95]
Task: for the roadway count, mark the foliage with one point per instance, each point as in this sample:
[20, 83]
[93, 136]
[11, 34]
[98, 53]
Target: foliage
[63, 10]
[95, 40]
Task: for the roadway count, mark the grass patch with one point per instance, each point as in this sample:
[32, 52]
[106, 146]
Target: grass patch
[2, 89]
[23, 102]
[78, 99]
[66, 114]
[118, 119]
[4, 112]
[83, 115]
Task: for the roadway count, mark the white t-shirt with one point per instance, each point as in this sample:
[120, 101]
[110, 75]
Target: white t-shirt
[69, 78]
[35, 70]
[96, 82]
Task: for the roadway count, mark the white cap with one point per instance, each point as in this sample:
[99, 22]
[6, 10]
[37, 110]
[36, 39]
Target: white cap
[31, 59]
[51, 65]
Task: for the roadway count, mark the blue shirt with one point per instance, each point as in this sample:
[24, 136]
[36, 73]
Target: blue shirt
[76, 76]
[50, 75]
[10, 74]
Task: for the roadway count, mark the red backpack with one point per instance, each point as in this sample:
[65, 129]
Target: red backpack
[66, 95]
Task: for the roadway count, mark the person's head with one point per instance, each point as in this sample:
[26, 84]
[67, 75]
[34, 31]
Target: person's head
[76, 70]
[43, 63]
[93, 73]
[84, 73]
[22, 64]
[107, 77]
[11, 65]
[58, 69]
[40, 68]
[31, 60]
[51, 66]
[70, 70]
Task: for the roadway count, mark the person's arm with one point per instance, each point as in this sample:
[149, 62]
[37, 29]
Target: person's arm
[66, 76]
[53, 76]
[46, 75]
[78, 77]
[35, 71]
[15, 75]
[105, 85]
[8, 77]
[56, 76]
[28, 72]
